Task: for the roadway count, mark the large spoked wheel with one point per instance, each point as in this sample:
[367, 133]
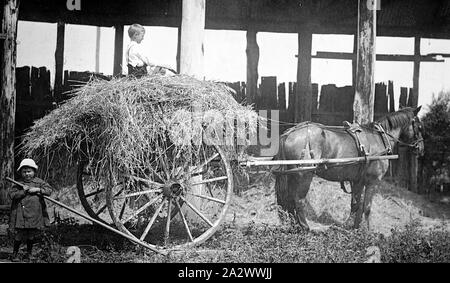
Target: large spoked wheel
[180, 204]
[91, 193]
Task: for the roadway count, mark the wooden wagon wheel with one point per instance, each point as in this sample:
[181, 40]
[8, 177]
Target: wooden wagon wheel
[187, 199]
[91, 193]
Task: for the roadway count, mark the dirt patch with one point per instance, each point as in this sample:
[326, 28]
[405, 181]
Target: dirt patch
[256, 204]
[396, 207]
[392, 207]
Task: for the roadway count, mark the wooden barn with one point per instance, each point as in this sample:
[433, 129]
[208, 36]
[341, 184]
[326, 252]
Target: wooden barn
[365, 19]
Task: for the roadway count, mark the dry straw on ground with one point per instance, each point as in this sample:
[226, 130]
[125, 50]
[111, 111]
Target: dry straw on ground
[120, 125]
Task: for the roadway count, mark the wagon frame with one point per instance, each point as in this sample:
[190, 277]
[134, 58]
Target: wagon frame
[169, 194]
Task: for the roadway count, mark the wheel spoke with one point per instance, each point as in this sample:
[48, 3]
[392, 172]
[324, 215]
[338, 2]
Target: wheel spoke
[138, 194]
[144, 207]
[150, 224]
[164, 164]
[184, 221]
[94, 193]
[174, 159]
[164, 168]
[122, 210]
[153, 183]
[210, 180]
[210, 191]
[202, 216]
[119, 192]
[101, 209]
[204, 163]
[207, 197]
[169, 213]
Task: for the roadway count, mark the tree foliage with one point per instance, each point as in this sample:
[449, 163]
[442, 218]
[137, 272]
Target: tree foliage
[437, 132]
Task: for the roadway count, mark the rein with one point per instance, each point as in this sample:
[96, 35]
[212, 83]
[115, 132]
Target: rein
[381, 130]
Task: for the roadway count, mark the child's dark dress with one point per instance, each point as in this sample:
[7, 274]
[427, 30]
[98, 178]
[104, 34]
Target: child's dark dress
[28, 211]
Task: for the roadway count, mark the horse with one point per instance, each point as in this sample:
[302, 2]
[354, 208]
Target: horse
[309, 140]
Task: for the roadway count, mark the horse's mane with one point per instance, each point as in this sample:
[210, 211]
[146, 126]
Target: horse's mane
[396, 119]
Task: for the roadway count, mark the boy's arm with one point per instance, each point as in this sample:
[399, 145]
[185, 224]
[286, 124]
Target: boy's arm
[16, 192]
[45, 188]
[141, 55]
[146, 60]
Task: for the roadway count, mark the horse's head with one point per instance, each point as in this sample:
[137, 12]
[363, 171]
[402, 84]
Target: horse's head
[412, 133]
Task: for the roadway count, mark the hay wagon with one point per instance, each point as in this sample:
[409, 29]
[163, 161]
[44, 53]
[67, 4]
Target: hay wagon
[196, 197]
[143, 167]
[140, 178]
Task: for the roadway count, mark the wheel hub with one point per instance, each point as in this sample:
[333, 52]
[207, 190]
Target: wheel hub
[172, 189]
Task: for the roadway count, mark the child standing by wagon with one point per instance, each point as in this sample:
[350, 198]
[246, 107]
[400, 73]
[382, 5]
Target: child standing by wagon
[28, 209]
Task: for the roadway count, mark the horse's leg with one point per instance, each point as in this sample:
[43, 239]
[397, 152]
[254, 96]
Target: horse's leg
[284, 195]
[368, 197]
[356, 209]
[300, 184]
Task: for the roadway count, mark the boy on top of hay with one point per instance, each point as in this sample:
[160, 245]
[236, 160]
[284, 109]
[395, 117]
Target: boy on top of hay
[137, 60]
[28, 210]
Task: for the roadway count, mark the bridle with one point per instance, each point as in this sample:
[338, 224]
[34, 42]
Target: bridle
[414, 144]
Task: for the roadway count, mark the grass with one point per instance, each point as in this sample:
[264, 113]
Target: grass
[254, 244]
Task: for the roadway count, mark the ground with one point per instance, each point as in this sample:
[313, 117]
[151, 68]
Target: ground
[255, 209]
[393, 207]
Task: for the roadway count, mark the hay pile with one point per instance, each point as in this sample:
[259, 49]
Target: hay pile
[121, 125]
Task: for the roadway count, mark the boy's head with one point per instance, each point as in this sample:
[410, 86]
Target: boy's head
[136, 33]
[27, 169]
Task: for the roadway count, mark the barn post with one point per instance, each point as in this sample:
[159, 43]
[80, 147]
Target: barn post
[416, 76]
[304, 89]
[118, 50]
[8, 94]
[413, 101]
[355, 48]
[252, 52]
[191, 50]
[97, 49]
[192, 34]
[178, 48]
[252, 66]
[59, 60]
[363, 105]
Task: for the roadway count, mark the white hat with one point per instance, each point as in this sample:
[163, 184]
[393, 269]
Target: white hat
[27, 162]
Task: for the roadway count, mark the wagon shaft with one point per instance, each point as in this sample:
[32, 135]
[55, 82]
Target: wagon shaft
[315, 162]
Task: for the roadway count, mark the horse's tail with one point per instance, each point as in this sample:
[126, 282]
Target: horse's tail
[281, 183]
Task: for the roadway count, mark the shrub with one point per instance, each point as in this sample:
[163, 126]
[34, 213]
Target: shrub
[437, 134]
[414, 245]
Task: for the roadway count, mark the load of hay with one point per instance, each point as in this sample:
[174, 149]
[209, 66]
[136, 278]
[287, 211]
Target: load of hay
[120, 125]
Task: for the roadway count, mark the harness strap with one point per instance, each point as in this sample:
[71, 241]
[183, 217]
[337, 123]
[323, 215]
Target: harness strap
[354, 130]
[384, 138]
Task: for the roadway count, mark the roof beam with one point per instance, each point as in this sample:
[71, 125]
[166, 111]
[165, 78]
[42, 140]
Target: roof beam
[381, 57]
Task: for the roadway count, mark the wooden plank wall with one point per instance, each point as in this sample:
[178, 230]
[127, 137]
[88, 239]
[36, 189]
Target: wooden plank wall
[34, 99]
[34, 96]
[74, 79]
